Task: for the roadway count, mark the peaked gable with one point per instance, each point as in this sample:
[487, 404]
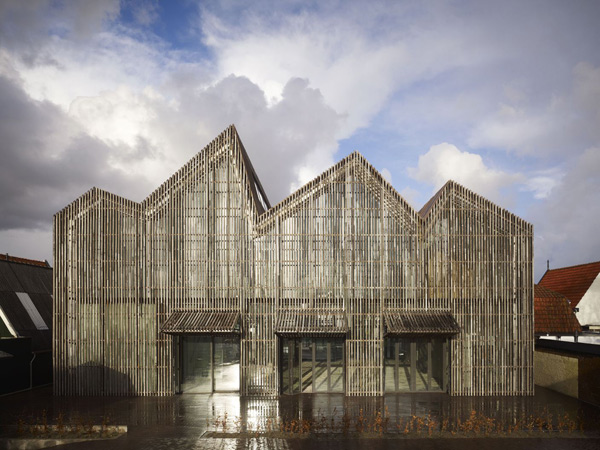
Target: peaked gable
[457, 194]
[226, 144]
[364, 174]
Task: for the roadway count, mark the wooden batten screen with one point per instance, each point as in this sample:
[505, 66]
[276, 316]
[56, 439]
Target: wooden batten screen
[416, 323]
[345, 243]
[312, 324]
[202, 322]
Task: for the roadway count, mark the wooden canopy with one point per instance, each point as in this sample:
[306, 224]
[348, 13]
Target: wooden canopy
[294, 323]
[202, 322]
[413, 323]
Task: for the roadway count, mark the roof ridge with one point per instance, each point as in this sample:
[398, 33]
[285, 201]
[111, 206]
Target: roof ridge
[19, 260]
[573, 266]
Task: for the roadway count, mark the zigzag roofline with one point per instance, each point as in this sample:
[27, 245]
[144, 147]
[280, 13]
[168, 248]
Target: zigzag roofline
[264, 209]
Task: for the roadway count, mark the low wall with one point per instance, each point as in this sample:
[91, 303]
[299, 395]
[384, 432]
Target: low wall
[557, 372]
[570, 368]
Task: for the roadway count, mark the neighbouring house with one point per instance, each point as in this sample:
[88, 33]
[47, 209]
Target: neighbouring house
[554, 314]
[25, 323]
[341, 287]
[567, 358]
[581, 285]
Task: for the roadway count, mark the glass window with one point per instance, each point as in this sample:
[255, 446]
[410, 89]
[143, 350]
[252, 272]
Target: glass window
[312, 365]
[412, 364]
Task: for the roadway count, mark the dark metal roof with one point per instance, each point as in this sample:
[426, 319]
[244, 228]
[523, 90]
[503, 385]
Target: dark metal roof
[418, 323]
[18, 275]
[202, 322]
[302, 323]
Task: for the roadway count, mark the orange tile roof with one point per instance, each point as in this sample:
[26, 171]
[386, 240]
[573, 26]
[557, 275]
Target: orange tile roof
[573, 282]
[553, 313]
[16, 259]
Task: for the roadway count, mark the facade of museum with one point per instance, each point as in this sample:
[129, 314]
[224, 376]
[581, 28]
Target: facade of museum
[341, 287]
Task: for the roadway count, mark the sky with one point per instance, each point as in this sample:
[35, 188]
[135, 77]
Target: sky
[502, 97]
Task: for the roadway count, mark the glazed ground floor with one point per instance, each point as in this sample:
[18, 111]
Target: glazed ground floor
[207, 364]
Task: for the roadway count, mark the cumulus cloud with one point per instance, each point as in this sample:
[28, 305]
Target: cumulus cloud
[27, 26]
[445, 162]
[48, 160]
[566, 231]
[358, 57]
[568, 122]
[385, 173]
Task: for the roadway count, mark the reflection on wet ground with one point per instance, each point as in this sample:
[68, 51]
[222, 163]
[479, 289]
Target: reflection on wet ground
[181, 421]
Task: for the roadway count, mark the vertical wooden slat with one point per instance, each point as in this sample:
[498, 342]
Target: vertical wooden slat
[346, 240]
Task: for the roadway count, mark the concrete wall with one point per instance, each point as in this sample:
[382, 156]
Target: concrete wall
[557, 372]
[570, 373]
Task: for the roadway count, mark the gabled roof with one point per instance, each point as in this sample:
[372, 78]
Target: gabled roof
[424, 211]
[311, 188]
[16, 259]
[553, 313]
[26, 300]
[470, 195]
[573, 282]
[228, 140]
[96, 194]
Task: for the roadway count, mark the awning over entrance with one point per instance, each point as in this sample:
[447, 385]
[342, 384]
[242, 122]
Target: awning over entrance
[202, 322]
[416, 323]
[294, 323]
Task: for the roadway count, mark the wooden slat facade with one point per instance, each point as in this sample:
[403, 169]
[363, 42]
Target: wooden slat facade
[208, 240]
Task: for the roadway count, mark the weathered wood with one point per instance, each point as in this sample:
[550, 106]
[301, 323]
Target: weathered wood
[208, 240]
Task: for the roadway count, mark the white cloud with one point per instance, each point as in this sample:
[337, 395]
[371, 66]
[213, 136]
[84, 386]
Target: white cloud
[356, 68]
[566, 230]
[445, 162]
[541, 183]
[387, 175]
[410, 195]
[565, 123]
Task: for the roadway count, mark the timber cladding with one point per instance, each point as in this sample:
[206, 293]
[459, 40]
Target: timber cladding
[208, 240]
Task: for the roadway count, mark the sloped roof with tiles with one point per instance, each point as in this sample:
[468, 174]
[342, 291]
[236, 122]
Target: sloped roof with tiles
[553, 313]
[573, 282]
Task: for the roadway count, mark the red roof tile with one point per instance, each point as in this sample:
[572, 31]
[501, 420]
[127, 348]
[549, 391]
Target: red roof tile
[16, 259]
[573, 282]
[553, 313]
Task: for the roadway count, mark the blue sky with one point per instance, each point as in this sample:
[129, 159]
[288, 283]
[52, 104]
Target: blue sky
[503, 97]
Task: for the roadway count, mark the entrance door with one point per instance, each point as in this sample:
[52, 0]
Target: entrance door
[196, 364]
[209, 364]
[226, 363]
[415, 364]
[311, 365]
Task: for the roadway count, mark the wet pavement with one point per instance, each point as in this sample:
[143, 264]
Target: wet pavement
[186, 421]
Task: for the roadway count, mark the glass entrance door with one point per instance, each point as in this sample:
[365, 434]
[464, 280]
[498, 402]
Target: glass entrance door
[311, 365]
[209, 364]
[226, 363]
[415, 364]
[196, 364]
